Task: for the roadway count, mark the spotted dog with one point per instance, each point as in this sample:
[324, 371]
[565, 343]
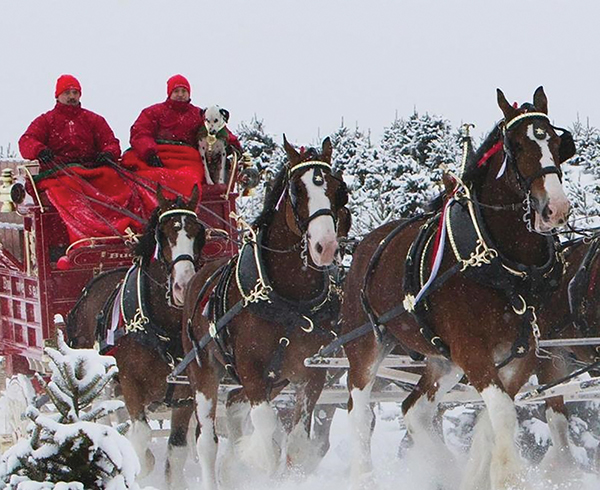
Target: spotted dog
[212, 144]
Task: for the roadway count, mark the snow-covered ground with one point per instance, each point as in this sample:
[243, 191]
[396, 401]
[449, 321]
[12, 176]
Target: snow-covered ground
[410, 472]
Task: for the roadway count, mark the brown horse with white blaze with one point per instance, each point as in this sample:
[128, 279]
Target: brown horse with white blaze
[476, 312]
[281, 286]
[148, 297]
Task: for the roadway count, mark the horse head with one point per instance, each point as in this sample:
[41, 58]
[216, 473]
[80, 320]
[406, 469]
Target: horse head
[179, 237]
[532, 150]
[317, 199]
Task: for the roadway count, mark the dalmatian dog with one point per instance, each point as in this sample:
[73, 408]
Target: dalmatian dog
[212, 144]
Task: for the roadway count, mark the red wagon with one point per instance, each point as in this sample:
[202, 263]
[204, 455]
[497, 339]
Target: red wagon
[42, 276]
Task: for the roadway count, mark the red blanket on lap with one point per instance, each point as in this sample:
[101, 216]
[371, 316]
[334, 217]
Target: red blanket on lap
[182, 169]
[89, 201]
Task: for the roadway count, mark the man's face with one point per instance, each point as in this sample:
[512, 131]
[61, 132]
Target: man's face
[180, 94]
[70, 97]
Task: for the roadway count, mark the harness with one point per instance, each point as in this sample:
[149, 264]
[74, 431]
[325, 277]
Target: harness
[247, 272]
[136, 317]
[475, 256]
[579, 289]
[134, 306]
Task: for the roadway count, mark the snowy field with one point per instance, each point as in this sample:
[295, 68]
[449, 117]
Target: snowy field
[411, 472]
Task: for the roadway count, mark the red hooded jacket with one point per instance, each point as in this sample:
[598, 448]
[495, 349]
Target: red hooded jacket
[171, 120]
[74, 134]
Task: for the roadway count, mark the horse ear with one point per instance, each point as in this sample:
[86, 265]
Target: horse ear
[193, 202]
[225, 114]
[292, 154]
[327, 150]
[540, 101]
[162, 202]
[508, 110]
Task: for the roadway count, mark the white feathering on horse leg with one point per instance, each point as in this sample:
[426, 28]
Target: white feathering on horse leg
[259, 449]
[302, 452]
[176, 457]
[237, 417]
[506, 469]
[442, 466]
[207, 442]
[559, 463]
[359, 419]
[477, 472]
[140, 436]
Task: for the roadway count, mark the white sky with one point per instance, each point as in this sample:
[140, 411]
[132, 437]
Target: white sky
[301, 65]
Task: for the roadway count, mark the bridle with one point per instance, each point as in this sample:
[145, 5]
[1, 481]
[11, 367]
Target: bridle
[525, 183]
[159, 251]
[318, 180]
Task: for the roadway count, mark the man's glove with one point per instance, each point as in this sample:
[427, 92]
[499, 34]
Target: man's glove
[104, 158]
[46, 155]
[155, 161]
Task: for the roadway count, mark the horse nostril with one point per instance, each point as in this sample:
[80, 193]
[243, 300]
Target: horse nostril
[546, 213]
[319, 248]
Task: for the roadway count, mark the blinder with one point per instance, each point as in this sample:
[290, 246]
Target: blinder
[567, 147]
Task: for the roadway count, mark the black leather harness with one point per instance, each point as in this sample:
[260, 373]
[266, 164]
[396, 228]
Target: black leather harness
[260, 298]
[525, 286]
[137, 318]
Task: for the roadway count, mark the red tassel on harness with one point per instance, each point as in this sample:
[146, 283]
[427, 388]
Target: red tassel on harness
[488, 154]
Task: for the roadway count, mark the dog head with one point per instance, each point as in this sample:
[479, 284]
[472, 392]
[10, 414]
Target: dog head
[215, 119]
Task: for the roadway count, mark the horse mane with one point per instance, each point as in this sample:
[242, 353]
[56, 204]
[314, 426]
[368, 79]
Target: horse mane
[146, 245]
[474, 173]
[265, 217]
[271, 199]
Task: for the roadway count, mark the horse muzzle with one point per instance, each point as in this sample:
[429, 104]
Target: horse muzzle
[551, 213]
[180, 278]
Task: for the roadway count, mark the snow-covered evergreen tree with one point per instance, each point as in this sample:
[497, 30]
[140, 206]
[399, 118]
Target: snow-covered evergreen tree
[70, 449]
[581, 176]
[354, 155]
[267, 156]
[404, 174]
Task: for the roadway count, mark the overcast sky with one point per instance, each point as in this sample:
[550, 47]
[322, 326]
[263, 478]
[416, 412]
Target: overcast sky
[302, 65]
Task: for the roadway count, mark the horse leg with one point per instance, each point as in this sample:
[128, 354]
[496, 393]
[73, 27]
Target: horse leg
[237, 409]
[259, 449]
[498, 428]
[300, 453]
[420, 411]
[177, 447]
[205, 381]
[140, 436]
[560, 456]
[364, 357]
[323, 418]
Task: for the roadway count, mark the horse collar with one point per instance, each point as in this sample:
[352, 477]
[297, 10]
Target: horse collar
[258, 293]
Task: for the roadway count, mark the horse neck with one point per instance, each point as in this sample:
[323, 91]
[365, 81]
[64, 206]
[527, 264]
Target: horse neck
[286, 271]
[507, 228]
[157, 280]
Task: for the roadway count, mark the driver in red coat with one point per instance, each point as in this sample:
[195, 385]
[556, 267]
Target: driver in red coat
[174, 120]
[69, 133]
